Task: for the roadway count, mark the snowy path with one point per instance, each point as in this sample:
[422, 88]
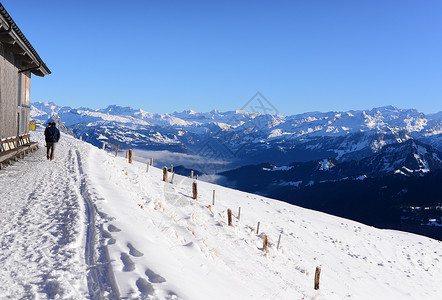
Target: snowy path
[49, 237]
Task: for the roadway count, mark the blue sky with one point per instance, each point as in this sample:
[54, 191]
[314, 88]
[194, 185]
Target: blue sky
[165, 56]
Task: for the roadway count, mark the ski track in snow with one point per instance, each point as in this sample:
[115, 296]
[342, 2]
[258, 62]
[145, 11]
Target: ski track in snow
[100, 278]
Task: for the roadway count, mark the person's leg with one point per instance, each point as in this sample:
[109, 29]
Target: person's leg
[48, 150]
[52, 152]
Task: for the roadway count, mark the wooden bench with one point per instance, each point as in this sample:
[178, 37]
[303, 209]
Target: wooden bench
[13, 148]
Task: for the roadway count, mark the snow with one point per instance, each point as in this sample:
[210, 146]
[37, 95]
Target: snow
[42, 220]
[433, 222]
[400, 172]
[291, 183]
[325, 164]
[276, 133]
[102, 137]
[423, 164]
[282, 168]
[89, 225]
[436, 157]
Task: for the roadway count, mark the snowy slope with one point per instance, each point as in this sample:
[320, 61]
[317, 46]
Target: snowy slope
[89, 225]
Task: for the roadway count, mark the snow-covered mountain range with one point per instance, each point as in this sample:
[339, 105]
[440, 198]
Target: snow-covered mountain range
[240, 138]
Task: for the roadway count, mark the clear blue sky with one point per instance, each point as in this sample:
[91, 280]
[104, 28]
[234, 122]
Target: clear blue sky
[165, 56]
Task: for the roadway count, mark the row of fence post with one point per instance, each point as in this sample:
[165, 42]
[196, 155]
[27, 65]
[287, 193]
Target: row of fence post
[129, 156]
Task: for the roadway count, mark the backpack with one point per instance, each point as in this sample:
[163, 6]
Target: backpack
[50, 136]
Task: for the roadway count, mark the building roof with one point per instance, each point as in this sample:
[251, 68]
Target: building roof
[18, 44]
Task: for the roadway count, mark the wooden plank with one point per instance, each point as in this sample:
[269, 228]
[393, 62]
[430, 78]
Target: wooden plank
[11, 143]
[17, 152]
[7, 155]
[9, 90]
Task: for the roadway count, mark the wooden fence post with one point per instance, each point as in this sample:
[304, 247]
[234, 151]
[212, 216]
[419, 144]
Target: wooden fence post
[239, 213]
[279, 241]
[147, 167]
[173, 175]
[194, 190]
[229, 217]
[213, 198]
[196, 176]
[165, 174]
[317, 274]
[104, 145]
[130, 156]
[151, 161]
[265, 244]
[81, 137]
[191, 174]
[171, 168]
[116, 152]
[257, 228]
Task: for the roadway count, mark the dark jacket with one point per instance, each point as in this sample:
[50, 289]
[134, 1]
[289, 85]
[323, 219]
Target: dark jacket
[52, 134]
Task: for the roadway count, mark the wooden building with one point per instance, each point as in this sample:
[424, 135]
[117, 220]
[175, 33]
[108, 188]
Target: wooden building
[18, 60]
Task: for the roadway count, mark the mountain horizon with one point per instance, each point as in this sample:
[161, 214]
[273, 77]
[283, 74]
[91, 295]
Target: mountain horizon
[239, 137]
[111, 107]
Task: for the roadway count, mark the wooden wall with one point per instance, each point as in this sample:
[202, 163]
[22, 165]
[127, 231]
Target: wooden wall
[26, 100]
[11, 115]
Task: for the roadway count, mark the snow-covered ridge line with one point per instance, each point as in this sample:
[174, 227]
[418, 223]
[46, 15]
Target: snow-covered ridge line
[300, 124]
[250, 137]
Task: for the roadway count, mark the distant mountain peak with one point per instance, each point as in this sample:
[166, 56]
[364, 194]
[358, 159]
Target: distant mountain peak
[116, 109]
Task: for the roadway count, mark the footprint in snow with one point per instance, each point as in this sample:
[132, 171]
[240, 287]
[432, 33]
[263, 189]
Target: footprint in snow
[133, 251]
[154, 277]
[127, 262]
[172, 295]
[106, 234]
[145, 288]
[103, 215]
[113, 228]
[52, 289]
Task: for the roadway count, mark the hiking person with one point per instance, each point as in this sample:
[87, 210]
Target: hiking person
[46, 134]
[52, 135]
